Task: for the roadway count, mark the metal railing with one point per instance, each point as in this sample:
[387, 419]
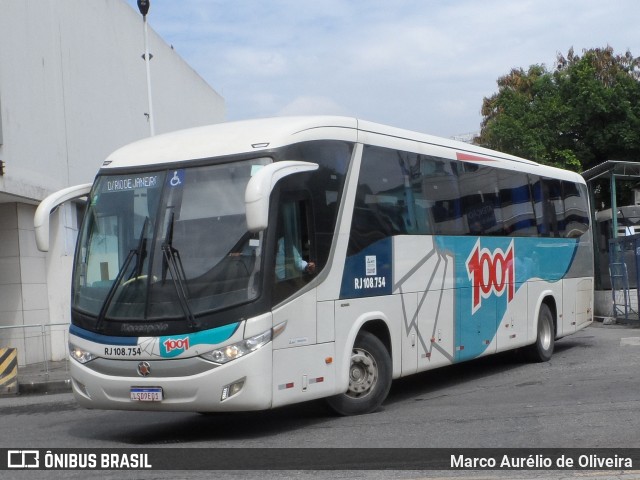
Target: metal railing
[624, 270]
[45, 339]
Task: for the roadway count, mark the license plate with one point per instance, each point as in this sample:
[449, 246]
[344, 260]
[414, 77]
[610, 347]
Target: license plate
[146, 394]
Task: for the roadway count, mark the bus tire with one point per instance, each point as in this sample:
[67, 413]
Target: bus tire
[542, 350]
[369, 377]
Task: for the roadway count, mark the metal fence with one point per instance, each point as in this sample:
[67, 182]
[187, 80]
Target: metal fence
[624, 270]
[37, 343]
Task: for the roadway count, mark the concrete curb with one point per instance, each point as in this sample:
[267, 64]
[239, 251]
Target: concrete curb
[44, 388]
[41, 379]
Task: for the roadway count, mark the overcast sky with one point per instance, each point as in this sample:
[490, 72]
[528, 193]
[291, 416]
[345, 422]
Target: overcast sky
[424, 65]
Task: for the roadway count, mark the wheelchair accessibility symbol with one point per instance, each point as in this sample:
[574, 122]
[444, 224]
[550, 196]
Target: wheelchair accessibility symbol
[177, 178]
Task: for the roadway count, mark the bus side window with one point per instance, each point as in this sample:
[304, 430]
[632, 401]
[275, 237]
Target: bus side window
[516, 204]
[380, 209]
[440, 190]
[549, 208]
[575, 209]
[480, 199]
[294, 256]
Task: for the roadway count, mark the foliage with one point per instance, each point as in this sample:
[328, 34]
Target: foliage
[583, 112]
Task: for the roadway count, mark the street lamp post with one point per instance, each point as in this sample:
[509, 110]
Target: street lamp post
[143, 6]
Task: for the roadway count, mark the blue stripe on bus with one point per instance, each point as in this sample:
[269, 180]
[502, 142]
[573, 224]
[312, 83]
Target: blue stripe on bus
[547, 259]
[103, 339]
[211, 337]
[369, 273]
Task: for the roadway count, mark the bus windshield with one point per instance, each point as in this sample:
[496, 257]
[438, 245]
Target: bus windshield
[167, 244]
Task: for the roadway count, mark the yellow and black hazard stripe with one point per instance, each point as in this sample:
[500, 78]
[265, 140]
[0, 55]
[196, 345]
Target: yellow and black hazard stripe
[8, 370]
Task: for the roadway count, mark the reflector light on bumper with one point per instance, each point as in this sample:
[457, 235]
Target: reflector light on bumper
[230, 390]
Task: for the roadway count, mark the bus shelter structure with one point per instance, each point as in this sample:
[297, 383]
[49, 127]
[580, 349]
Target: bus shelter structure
[616, 231]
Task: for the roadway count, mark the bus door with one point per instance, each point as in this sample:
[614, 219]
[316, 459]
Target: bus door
[294, 268]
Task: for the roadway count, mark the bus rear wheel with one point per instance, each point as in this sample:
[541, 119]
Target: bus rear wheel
[369, 377]
[542, 350]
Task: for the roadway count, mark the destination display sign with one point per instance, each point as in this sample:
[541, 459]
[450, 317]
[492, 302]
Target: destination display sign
[130, 182]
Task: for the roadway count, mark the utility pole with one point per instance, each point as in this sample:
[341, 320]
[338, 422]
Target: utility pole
[143, 6]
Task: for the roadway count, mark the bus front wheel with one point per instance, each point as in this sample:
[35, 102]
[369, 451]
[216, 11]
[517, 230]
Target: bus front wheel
[542, 350]
[369, 377]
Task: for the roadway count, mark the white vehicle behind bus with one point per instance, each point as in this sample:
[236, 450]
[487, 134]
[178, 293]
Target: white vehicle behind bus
[255, 264]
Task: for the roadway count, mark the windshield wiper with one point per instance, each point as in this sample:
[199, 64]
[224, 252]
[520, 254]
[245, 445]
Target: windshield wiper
[173, 263]
[140, 252]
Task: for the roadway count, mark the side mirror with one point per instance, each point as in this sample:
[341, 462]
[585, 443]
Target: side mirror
[256, 196]
[41, 217]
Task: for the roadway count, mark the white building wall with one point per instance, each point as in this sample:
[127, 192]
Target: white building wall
[72, 89]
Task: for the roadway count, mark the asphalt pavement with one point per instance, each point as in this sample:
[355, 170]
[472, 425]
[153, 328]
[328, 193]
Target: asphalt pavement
[300, 426]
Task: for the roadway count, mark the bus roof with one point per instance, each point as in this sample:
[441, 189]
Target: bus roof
[254, 136]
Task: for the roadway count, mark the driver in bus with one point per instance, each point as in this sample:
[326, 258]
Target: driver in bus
[299, 263]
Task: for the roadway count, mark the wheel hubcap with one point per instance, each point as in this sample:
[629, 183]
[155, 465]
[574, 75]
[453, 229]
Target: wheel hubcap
[363, 374]
[545, 334]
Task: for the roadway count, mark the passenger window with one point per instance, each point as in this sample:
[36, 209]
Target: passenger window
[576, 215]
[549, 207]
[402, 193]
[380, 207]
[480, 199]
[516, 204]
[441, 193]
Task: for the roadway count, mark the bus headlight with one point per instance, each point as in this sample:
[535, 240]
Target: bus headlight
[236, 350]
[80, 355]
[230, 352]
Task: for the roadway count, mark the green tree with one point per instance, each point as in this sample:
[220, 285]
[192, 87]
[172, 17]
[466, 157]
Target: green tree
[583, 112]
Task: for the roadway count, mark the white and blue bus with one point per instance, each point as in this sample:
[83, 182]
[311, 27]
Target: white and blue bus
[255, 264]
